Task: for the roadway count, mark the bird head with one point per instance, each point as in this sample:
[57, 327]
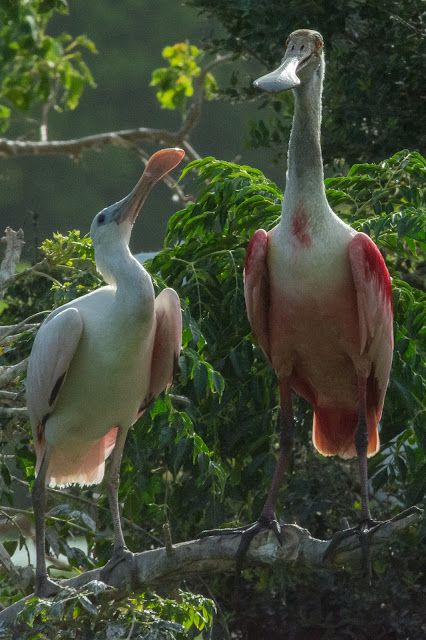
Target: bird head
[304, 56]
[116, 221]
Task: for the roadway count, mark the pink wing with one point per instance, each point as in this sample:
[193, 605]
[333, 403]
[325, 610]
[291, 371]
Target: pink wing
[374, 300]
[167, 342]
[256, 288]
[53, 350]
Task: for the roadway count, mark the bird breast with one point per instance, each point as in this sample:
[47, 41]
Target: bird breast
[109, 375]
[309, 256]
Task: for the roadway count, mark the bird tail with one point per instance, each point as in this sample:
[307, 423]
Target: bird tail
[334, 430]
[80, 463]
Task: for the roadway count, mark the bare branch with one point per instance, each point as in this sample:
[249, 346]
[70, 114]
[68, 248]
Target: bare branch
[15, 276]
[12, 372]
[75, 147]
[160, 137]
[22, 326]
[13, 412]
[14, 242]
[216, 554]
[8, 396]
[194, 112]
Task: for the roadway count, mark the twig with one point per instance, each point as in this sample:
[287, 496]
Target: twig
[22, 274]
[46, 108]
[12, 372]
[21, 533]
[22, 326]
[90, 503]
[14, 242]
[194, 112]
[13, 412]
[8, 396]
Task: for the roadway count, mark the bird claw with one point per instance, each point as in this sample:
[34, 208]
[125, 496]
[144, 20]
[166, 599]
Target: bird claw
[364, 530]
[121, 554]
[247, 532]
[45, 587]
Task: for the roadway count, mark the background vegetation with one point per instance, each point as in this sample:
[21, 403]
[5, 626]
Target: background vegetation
[204, 456]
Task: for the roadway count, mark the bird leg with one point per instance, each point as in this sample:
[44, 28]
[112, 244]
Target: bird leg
[44, 587]
[367, 525]
[120, 552]
[267, 518]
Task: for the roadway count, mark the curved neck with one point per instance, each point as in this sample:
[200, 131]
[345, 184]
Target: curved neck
[121, 270]
[305, 174]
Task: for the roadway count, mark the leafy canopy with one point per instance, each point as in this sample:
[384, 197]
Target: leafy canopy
[36, 67]
[375, 53]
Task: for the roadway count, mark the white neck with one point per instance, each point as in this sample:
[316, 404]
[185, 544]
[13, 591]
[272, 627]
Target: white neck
[121, 270]
[305, 175]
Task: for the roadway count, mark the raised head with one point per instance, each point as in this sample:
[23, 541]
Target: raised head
[117, 220]
[303, 58]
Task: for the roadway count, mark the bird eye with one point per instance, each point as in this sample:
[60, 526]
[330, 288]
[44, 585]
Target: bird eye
[101, 218]
[319, 44]
[287, 41]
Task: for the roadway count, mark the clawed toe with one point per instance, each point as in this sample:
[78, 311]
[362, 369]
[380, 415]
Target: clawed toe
[363, 531]
[247, 534]
[45, 587]
[122, 554]
[250, 532]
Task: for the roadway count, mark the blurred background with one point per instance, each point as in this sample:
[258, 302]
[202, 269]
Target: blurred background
[55, 193]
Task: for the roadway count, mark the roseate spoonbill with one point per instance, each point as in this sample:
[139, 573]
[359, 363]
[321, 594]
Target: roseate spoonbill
[97, 362]
[319, 298]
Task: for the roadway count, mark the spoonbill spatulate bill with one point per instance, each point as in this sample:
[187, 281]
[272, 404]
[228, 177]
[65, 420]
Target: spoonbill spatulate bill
[97, 362]
[319, 299]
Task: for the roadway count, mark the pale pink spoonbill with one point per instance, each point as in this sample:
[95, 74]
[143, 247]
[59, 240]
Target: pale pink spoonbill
[97, 362]
[319, 297]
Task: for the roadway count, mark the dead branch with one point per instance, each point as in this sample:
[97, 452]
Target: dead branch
[10, 373]
[14, 242]
[15, 276]
[13, 412]
[216, 554]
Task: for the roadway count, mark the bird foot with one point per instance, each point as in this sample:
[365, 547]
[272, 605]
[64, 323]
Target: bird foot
[364, 530]
[45, 587]
[247, 532]
[121, 554]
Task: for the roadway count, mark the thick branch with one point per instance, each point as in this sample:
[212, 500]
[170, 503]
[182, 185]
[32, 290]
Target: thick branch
[216, 554]
[13, 148]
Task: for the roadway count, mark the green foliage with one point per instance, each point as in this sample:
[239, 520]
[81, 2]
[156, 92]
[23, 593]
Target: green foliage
[149, 616]
[36, 68]
[375, 56]
[176, 82]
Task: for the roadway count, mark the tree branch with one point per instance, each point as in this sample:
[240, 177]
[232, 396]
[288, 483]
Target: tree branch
[194, 113]
[216, 554]
[12, 372]
[75, 147]
[14, 242]
[13, 412]
[160, 137]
